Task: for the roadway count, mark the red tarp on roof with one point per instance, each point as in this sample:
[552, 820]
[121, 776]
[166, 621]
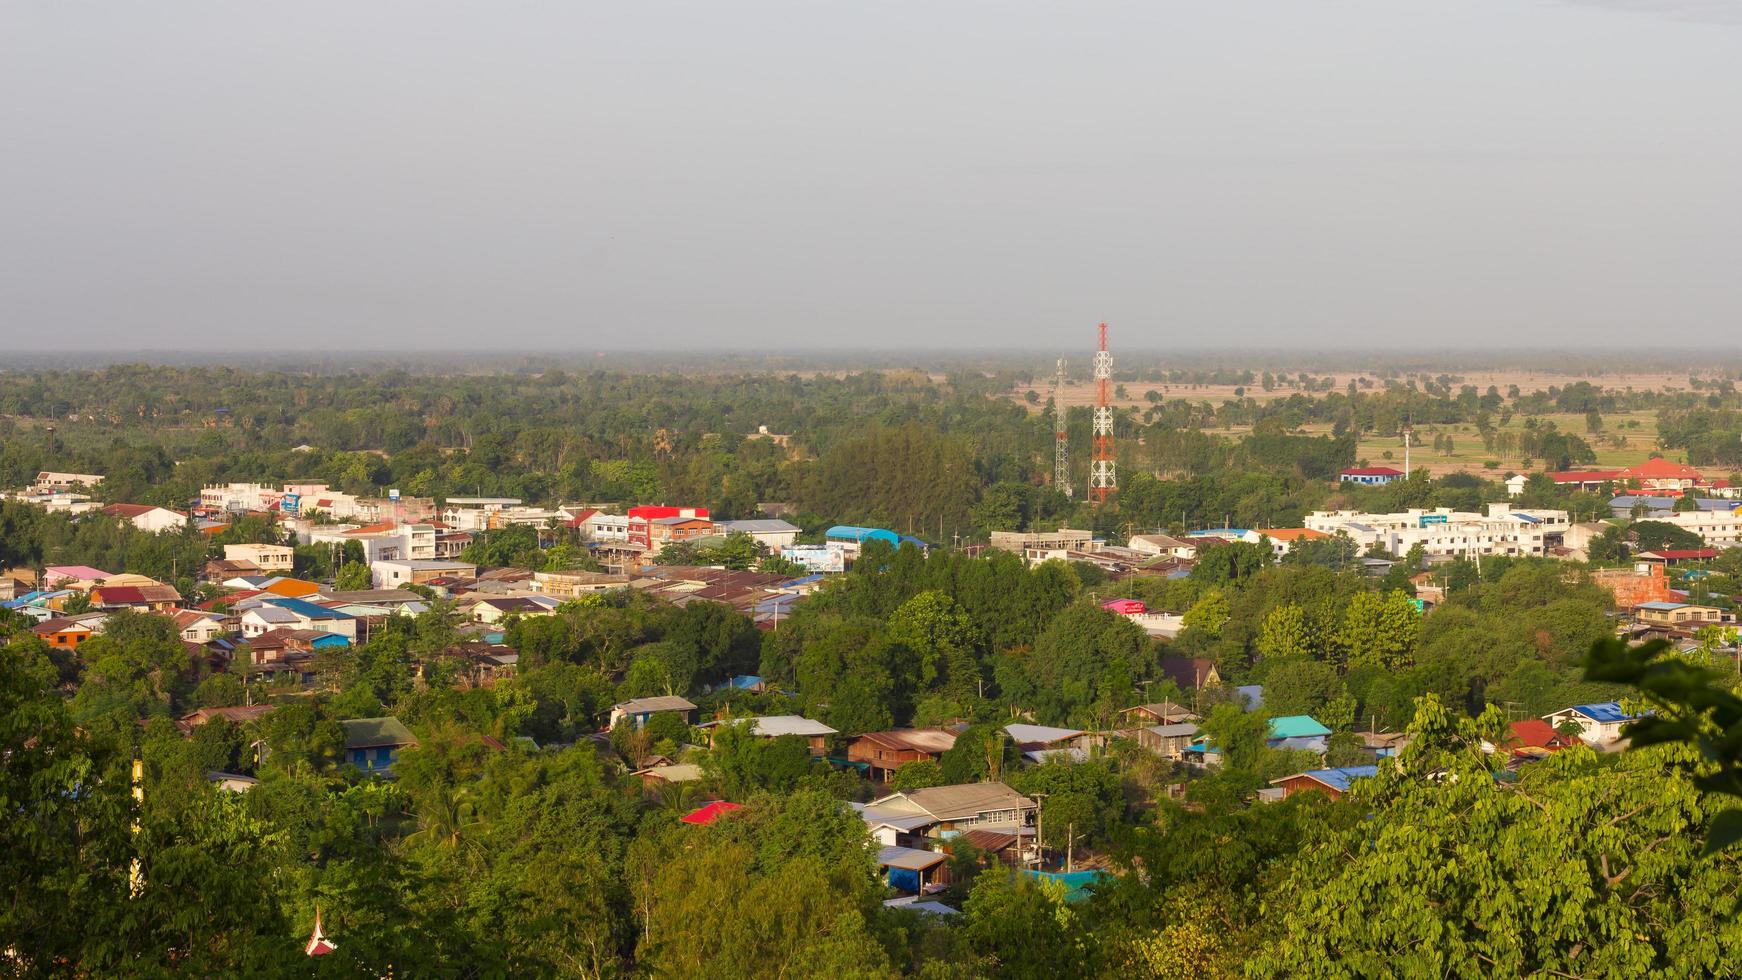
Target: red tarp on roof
[702, 816]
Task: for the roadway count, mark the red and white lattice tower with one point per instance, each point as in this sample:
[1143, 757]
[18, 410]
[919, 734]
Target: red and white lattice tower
[1061, 455]
[1103, 480]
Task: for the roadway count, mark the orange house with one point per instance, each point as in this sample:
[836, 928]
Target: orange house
[65, 633]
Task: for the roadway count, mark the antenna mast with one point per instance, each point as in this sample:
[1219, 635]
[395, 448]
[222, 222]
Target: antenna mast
[1061, 454]
[1102, 478]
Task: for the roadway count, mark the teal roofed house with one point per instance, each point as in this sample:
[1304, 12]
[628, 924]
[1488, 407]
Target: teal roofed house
[373, 744]
[1286, 732]
[1298, 732]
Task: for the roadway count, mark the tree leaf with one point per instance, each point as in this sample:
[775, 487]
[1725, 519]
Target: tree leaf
[1726, 829]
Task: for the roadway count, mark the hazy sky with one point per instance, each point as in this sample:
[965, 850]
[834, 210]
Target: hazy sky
[827, 173]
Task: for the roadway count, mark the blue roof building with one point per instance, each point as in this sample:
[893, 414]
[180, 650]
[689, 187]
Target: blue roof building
[1599, 723]
[860, 535]
[1331, 782]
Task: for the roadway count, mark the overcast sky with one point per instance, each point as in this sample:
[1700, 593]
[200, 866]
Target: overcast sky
[889, 173]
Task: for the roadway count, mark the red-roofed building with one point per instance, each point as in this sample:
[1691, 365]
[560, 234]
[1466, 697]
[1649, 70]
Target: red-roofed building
[152, 598]
[1534, 733]
[148, 518]
[1282, 539]
[704, 815]
[1661, 474]
[1655, 475]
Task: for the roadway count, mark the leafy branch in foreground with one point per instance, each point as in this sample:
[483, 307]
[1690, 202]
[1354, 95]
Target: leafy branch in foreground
[1694, 707]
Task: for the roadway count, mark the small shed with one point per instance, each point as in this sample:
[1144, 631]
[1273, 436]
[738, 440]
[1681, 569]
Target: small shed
[908, 869]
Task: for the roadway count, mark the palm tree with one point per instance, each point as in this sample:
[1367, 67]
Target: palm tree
[447, 818]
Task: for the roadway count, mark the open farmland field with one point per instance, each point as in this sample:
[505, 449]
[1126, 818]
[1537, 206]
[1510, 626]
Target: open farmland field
[1083, 392]
[1626, 439]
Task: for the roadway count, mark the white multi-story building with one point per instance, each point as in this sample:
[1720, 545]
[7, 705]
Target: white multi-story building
[487, 513]
[49, 481]
[1445, 533]
[381, 542]
[606, 527]
[1717, 528]
[238, 498]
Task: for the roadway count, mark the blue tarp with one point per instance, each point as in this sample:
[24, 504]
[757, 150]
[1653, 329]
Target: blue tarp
[1077, 883]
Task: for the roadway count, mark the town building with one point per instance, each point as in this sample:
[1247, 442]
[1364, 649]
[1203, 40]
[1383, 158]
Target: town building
[969, 806]
[69, 632]
[239, 498]
[1163, 545]
[571, 585]
[1370, 476]
[48, 481]
[1329, 782]
[1169, 741]
[600, 526]
[815, 733]
[1682, 615]
[152, 597]
[771, 534]
[265, 557]
[638, 710]
[147, 518]
[1063, 539]
[1444, 533]
[1282, 540]
[884, 752]
[1599, 724]
[393, 574]
[373, 744]
[655, 534]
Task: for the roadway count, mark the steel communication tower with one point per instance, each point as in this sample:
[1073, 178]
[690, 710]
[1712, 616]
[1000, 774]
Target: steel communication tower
[1061, 454]
[1103, 480]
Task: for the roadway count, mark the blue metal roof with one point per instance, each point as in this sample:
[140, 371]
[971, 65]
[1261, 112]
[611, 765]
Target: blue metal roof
[1605, 712]
[1664, 606]
[1666, 504]
[1340, 778]
[1629, 499]
[849, 532]
[305, 609]
[1528, 518]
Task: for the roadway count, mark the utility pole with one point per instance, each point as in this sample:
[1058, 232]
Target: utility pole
[1039, 830]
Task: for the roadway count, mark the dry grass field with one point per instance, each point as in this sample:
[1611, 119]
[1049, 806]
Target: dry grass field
[1624, 440]
[1083, 392]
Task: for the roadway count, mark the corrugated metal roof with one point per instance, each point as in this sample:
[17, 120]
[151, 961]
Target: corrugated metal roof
[1605, 711]
[1338, 779]
[907, 858]
[1296, 726]
[1028, 734]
